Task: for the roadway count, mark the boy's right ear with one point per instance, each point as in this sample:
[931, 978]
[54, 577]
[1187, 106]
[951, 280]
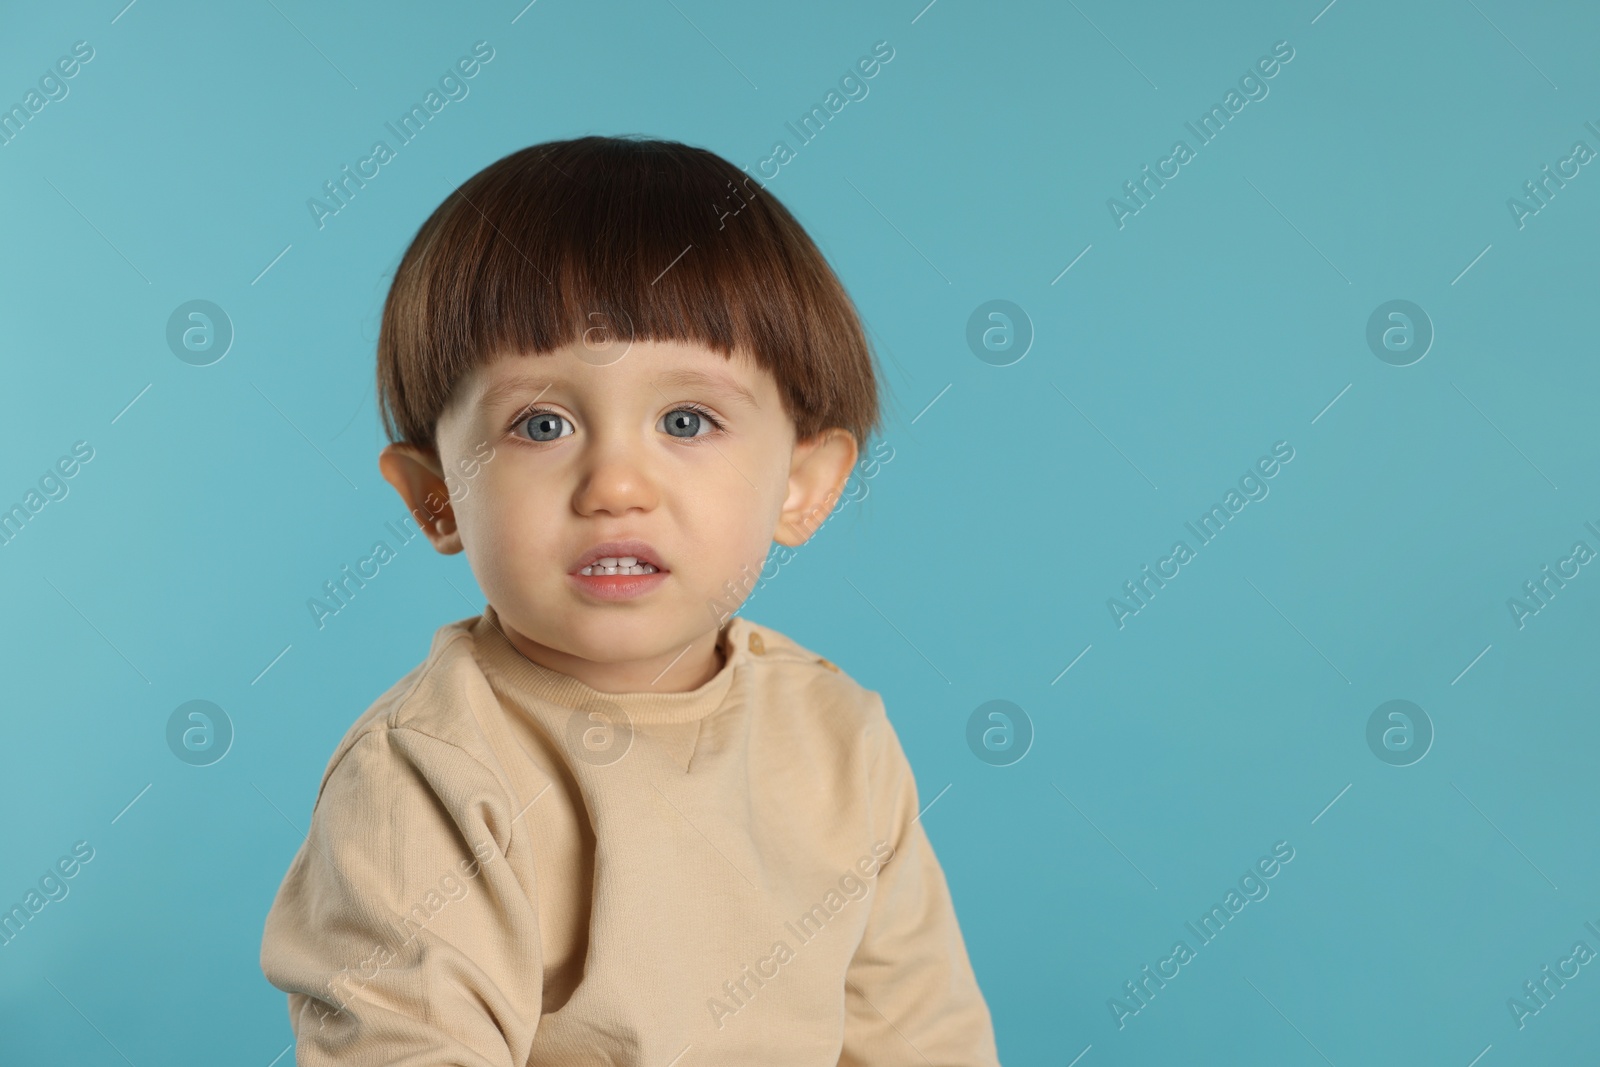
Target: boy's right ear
[418, 477]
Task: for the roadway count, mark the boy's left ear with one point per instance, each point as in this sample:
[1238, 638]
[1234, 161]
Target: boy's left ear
[419, 479]
[817, 475]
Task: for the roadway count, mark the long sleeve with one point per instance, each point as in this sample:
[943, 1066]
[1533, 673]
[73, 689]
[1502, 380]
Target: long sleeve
[911, 997]
[402, 933]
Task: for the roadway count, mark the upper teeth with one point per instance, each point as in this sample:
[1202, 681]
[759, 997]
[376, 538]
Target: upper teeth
[618, 565]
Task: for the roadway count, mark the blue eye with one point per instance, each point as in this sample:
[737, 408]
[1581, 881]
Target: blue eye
[690, 420]
[543, 423]
[685, 423]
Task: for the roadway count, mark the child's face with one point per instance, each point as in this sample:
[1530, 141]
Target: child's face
[547, 456]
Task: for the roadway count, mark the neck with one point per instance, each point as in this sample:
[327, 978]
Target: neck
[675, 670]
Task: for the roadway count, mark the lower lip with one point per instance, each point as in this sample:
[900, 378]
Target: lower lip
[619, 586]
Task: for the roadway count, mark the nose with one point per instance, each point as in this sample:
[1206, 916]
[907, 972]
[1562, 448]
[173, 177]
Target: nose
[614, 480]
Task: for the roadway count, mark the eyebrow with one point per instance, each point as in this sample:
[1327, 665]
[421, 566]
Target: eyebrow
[716, 383]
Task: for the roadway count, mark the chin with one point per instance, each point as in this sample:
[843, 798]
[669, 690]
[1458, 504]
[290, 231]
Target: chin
[617, 635]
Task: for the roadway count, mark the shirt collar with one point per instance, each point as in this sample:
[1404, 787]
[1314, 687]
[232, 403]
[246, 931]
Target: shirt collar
[522, 677]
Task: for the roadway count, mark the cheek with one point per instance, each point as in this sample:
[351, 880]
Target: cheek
[762, 519]
[731, 528]
[504, 521]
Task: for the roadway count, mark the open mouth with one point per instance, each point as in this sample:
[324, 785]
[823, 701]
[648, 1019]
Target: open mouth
[618, 570]
[625, 565]
[618, 582]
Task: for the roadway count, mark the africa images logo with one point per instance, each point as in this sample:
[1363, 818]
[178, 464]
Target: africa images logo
[452, 84]
[1253, 84]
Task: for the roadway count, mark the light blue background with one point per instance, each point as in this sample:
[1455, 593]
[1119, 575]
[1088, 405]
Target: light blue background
[1227, 315]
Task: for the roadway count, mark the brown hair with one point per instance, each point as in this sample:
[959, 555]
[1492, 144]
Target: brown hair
[667, 240]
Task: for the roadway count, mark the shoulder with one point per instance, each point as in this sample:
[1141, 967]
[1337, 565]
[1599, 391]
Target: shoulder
[433, 715]
[824, 718]
[789, 673]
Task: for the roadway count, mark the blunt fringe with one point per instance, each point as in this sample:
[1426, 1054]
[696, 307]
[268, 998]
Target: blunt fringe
[659, 240]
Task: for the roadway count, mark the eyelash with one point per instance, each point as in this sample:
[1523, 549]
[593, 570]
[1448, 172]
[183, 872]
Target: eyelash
[529, 412]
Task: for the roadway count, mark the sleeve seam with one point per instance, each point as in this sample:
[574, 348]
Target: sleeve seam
[389, 720]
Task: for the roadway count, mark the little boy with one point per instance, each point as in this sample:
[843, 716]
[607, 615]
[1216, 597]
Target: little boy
[608, 821]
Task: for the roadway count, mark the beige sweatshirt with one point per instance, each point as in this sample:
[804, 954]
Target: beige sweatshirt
[508, 867]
